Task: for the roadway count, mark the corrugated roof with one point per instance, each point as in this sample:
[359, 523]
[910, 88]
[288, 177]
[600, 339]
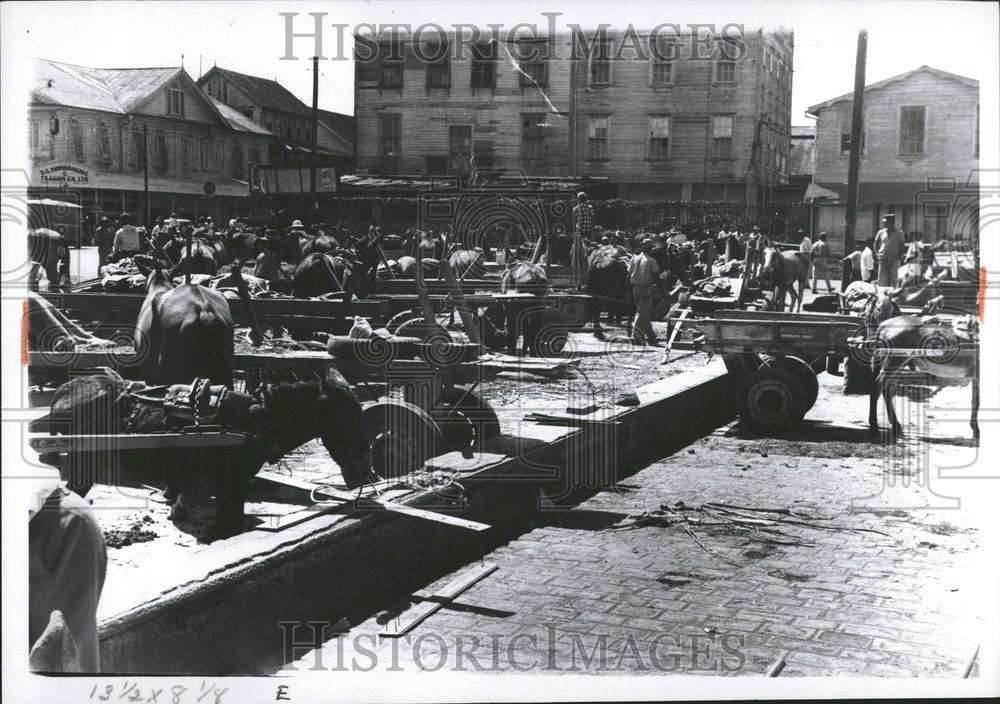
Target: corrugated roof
[971, 82]
[267, 92]
[116, 90]
[238, 121]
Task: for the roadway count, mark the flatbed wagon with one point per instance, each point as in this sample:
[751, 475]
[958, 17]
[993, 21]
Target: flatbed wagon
[775, 358]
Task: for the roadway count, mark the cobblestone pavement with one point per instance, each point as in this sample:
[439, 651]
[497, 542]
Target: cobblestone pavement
[571, 595]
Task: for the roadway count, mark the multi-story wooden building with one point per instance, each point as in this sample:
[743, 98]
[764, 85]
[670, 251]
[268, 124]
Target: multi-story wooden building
[919, 156]
[663, 118]
[92, 130]
[274, 107]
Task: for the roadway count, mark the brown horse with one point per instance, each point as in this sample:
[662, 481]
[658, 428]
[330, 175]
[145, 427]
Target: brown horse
[782, 270]
[277, 419]
[525, 277]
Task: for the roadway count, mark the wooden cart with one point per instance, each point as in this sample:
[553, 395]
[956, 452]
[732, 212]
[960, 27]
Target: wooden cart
[775, 357]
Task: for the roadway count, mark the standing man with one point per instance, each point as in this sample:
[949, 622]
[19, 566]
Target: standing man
[853, 269]
[127, 241]
[104, 238]
[820, 254]
[889, 243]
[642, 271]
[583, 226]
[867, 262]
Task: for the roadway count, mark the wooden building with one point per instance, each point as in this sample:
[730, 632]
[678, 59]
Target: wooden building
[272, 106]
[669, 118]
[91, 130]
[919, 158]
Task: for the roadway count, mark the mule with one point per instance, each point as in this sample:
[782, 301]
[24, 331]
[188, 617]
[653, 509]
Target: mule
[938, 342]
[319, 274]
[524, 277]
[782, 270]
[184, 332]
[607, 286]
[321, 243]
[278, 419]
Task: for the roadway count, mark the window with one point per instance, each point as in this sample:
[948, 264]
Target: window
[438, 66]
[725, 66]
[190, 156]
[484, 65]
[600, 61]
[722, 136]
[136, 148]
[255, 154]
[662, 67]
[911, 130]
[247, 113]
[459, 149]
[659, 137]
[225, 92]
[161, 154]
[597, 137]
[103, 153]
[845, 142]
[76, 138]
[533, 135]
[207, 154]
[175, 99]
[35, 139]
[388, 135]
[436, 165]
[532, 58]
[220, 157]
[237, 167]
[390, 65]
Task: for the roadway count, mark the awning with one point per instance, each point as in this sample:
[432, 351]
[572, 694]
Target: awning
[816, 192]
[49, 203]
[888, 192]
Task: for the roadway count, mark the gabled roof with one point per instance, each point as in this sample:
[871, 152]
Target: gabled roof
[116, 90]
[266, 92]
[238, 121]
[970, 82]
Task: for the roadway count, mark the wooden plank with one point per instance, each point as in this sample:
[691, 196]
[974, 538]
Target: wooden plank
[413, 617]
[138, 441]
[367, 502]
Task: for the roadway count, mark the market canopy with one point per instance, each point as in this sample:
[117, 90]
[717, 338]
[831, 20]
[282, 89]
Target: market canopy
[48, 202]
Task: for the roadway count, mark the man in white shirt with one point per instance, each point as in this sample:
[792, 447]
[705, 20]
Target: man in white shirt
[127, 240]
[867, 262]
[805, 244]
[642, 271]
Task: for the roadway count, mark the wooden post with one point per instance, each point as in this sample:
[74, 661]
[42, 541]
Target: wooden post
[854, 165]
[312, 146]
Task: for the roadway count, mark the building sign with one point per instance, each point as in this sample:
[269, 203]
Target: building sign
[63, 175]
[292, 180]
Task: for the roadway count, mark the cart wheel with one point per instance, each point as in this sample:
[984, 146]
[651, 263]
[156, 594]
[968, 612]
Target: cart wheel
[660, 307]
[771, 400]
[807, 377]
[574, 313]
[400, 318]
[466, 419]
[401, 436]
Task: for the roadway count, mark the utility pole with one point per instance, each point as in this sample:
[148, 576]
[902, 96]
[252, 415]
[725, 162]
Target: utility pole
[145, 171]
[854, 164]
[312, 150]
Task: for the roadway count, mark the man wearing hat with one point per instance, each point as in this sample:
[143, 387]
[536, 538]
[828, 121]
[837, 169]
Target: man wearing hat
[104, 238]
[820, 254]
[128, 242]
[889, 244]
[583, 224]
[642, 271]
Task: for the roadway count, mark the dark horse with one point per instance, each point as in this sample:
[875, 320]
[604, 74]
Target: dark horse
[183, 333]
[607, 275]
[277, 418]
[319, 274]
[782, 270]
